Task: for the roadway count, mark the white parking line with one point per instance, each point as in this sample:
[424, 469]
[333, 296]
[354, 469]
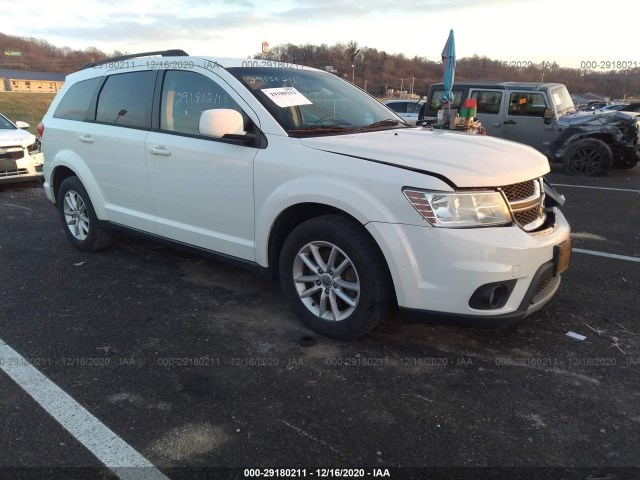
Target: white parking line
[596, 188]
[109, 448]
[608, 255]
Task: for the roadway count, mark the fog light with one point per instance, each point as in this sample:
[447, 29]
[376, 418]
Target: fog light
[492, 295]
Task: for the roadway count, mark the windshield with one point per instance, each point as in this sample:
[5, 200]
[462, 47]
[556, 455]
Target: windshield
[6, 124]
[309, 102]
[562, 100]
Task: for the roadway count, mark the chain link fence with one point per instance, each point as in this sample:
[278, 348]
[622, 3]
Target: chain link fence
[26, 106]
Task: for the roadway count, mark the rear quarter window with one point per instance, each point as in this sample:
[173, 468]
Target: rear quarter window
[75, 102]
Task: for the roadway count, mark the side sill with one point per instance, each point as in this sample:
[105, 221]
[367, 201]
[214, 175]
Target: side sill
[235, 261]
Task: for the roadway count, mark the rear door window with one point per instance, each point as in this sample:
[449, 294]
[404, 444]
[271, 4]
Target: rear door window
[488, 100]
[126, 100]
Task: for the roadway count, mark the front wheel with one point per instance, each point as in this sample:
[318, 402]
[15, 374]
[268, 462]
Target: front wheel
[588, 158]
[334, 277]
[79, 219]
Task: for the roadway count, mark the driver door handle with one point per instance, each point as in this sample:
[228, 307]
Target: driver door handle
[85, 138]
[160, 151]
[509, 122]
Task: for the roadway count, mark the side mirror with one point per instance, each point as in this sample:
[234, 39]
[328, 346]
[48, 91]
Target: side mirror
[224, 123]
[548, 114]
[21, 124]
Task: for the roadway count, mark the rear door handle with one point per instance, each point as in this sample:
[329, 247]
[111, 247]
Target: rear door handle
[86, 138]
[509, 122]
[160, 150]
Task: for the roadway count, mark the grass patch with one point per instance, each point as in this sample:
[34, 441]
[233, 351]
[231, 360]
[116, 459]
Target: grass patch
[25, 106]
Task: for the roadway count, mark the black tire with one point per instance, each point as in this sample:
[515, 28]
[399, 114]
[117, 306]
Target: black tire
[588, 158]
[629, 161]
[77, 214]
[365, 269]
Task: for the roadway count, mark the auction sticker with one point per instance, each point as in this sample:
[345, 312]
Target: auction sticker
[286, 96]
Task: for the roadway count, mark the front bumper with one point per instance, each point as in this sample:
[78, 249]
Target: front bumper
[27, 168]
[437, 270]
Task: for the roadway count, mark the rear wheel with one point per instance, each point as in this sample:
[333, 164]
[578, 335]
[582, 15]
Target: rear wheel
[334, 277]
[79, 219]
[588, 158]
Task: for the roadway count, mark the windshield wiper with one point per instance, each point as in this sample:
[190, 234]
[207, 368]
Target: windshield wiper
[389, 122]
[321, 129]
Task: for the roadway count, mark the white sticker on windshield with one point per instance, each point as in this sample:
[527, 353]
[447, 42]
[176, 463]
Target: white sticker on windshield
[556, 98]
[286, 96]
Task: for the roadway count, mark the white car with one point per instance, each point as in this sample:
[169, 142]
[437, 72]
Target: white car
[407, 109]
[295, 173]
[20, 154]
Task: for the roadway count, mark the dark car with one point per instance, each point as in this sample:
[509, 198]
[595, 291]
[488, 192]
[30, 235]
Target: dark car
[632, 107]
[592, 144]
[593, 105]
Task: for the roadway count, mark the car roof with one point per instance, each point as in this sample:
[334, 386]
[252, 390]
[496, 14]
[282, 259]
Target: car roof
[113, 65]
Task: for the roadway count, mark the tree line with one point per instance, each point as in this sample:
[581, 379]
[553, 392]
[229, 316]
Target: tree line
[376, 71]
[381, 70]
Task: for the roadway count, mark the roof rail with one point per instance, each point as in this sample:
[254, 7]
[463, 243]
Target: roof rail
[164, 53]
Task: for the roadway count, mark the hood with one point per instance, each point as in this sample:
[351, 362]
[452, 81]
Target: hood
[12, 138]
[595, 118]
[467, 160]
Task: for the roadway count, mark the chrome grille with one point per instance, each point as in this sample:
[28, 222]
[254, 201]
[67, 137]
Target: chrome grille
[526, 217]
[519, 191]
[526, 201]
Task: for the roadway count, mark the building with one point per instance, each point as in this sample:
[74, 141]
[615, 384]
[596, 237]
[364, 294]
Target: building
[28, 81]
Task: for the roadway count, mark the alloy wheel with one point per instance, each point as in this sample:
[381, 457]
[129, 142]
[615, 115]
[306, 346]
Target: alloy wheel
[326, 281]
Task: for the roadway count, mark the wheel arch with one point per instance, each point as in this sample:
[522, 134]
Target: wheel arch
[60, 174]
[68, 164]
[298, 213]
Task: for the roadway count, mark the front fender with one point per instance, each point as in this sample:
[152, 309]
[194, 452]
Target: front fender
[347, 197]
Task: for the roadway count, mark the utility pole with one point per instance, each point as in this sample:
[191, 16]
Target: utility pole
[542, 78]
[401, 84]
[412, 80]
[365, 85]
[353, 74]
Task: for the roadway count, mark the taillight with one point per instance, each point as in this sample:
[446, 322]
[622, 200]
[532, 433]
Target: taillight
[40, 129]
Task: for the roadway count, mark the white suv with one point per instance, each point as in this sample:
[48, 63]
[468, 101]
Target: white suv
[298, 174]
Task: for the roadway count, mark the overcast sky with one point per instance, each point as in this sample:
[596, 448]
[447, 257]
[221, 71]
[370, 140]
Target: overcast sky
[567, 32]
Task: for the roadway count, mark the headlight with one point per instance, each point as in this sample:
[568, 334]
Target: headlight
[35, 147]
[472, 209]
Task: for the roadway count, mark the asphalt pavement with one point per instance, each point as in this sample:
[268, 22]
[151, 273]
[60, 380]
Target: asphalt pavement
[201, 369]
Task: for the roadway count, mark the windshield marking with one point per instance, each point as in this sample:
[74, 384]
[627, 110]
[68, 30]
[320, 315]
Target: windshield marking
[286, 97]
